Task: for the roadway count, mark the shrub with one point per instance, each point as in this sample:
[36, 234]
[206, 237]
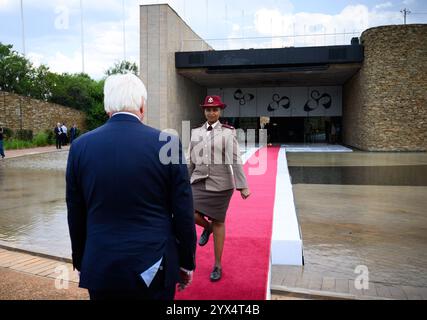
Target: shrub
[8, 133]
[25, 135]
[41, 139]
[50, 136]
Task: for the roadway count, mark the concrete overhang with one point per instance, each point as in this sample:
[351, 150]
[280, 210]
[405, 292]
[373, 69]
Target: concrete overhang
[312, 66]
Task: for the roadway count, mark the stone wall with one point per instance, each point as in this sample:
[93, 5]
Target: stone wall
[171, 97]
[385, 103]
[36, 115]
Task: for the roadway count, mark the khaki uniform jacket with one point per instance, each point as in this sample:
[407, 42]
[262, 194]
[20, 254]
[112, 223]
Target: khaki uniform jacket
[216, 159]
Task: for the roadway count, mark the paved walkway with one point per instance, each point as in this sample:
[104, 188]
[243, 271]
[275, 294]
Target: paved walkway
[26, 152]
[293, 279]
[28, 277]
[25, 276]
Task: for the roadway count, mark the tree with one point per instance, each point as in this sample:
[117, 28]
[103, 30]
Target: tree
[122, 68]
[78, 91]
[16, 72]
[18, 75]
[72, 90]
[42, 83]
[96, 116]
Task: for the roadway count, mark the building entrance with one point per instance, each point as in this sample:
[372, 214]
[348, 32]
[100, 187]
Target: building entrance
[292, 129]
[305, 130]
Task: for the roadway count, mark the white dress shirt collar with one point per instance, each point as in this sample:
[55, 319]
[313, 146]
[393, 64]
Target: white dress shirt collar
[213, 125]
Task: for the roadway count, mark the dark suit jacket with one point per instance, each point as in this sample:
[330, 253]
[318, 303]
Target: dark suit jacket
[73, 133]
[126, 209]
[57, 131]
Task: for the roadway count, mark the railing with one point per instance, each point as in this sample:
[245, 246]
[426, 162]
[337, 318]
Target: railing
[305, 40]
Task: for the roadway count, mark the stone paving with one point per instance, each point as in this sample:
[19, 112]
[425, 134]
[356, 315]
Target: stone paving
[293, 279]
[10, 154]
[25, 276]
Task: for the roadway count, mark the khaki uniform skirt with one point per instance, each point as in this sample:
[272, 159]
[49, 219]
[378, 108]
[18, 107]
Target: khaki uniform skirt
[212, 204]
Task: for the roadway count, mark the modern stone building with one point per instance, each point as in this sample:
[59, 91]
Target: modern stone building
[370, 94]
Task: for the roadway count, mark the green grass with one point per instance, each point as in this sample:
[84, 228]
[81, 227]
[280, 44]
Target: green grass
[17, 144]
[40, 140]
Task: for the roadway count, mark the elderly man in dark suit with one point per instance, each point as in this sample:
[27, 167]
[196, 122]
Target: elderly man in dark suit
[1, 143]
[130, 215]
[58, 135]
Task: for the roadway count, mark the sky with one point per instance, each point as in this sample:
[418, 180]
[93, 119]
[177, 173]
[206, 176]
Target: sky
[53, 34]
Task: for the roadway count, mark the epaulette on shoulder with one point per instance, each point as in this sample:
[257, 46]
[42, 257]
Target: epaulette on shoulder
[227, 126]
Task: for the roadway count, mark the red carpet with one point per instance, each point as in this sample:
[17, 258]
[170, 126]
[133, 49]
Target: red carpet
[246, 255]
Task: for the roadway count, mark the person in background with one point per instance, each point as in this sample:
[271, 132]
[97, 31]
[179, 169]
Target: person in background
[268, 127]
[333, 134]
[58, 135]
[64, 136]
[73, 133]
[308, 132]
[1, 143]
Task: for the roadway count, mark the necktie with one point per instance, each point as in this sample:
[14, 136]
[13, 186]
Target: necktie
[210, 128]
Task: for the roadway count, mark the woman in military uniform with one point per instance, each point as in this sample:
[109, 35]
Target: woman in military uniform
[215, 170]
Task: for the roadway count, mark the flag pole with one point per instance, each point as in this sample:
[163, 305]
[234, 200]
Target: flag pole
[82, 36]
[23, 27]
[124, 30]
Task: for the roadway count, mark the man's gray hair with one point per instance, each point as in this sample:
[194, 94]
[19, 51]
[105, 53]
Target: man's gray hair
[124, 92]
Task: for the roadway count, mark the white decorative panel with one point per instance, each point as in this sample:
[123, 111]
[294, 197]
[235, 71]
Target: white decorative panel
[281, 101]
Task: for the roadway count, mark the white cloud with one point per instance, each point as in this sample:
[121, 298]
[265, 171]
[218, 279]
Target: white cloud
[61, 63]
[35, 58]
[6, 5]
[312, 29]
[408, 2]
[383, 5]
[103, 46]
[98, 5]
